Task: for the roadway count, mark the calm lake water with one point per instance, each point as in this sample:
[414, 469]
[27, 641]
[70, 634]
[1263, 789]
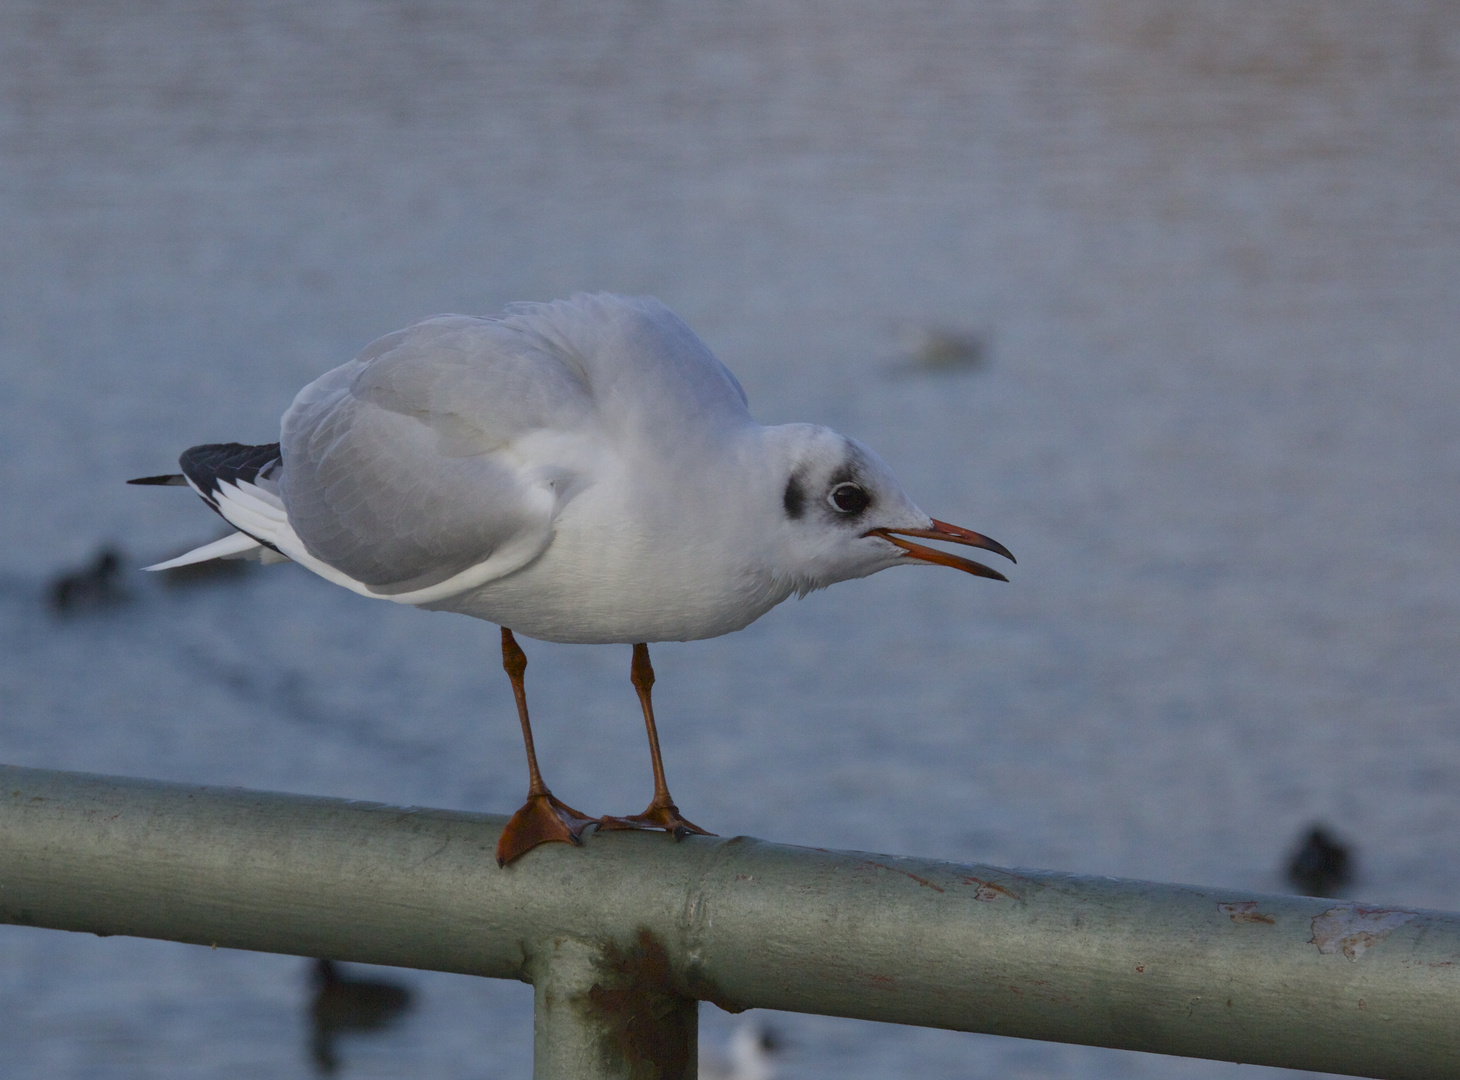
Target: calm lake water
[1206, 255]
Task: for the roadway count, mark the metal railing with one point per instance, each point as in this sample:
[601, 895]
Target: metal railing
[622, 937]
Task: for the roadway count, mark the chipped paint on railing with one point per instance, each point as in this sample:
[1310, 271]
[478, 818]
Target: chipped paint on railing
[1354, 930]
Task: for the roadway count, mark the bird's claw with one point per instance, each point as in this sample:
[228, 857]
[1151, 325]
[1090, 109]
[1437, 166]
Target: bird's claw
[542, 819]
[659, 815]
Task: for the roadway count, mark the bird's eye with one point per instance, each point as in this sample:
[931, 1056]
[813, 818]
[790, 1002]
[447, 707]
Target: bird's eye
[849, 498]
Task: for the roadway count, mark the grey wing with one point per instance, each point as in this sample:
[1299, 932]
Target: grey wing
[645, 369]
[404, 468]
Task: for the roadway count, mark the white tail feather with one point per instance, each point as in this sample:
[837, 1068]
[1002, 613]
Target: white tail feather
[237, 544]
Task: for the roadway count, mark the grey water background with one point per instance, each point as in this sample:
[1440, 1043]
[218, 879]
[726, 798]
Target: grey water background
[1211, 249]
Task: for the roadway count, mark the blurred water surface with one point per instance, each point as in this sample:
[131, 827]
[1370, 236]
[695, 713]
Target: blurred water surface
[1208, 252]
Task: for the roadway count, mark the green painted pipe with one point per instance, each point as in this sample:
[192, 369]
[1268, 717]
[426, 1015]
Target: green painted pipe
[620, 937]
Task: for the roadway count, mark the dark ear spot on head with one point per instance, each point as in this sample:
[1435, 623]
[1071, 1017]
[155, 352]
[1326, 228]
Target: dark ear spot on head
[794, 500]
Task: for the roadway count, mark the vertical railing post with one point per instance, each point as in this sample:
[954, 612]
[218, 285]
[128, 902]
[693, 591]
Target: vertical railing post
[605, 1010]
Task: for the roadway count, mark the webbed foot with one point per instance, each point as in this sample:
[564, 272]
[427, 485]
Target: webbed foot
[659, 815]
[541, 820]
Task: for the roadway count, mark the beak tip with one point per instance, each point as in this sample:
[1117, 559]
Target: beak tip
[957, 534]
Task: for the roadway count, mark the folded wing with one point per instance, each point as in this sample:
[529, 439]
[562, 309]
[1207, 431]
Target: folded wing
[432, 453]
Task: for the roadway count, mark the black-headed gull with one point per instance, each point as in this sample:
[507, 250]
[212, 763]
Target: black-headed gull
[749, 1054]
[585, 471]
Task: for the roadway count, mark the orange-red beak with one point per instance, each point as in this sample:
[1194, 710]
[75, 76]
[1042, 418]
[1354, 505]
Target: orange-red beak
[952, 534]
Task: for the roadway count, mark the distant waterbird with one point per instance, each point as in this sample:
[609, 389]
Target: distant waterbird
[749, 1054]
[1320, 865]
[96, 585]
[344, 1003]
[940, 350]
[578, 471]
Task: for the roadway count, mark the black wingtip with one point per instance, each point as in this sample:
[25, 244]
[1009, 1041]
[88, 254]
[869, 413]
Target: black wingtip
[167, 480]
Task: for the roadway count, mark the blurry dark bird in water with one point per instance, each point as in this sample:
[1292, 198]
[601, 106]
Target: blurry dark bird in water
[934, 350]
[1320, 866]
[92, 587]
[344, 1003]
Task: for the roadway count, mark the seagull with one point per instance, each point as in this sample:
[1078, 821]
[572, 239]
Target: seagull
[583, 470]
[749, 1054]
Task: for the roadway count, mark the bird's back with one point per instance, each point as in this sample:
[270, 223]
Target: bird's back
[458, 437]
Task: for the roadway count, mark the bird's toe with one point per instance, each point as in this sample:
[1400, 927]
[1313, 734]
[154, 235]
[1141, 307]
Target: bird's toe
[664, 816]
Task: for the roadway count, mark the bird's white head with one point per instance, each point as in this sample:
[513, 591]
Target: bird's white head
[841, 513]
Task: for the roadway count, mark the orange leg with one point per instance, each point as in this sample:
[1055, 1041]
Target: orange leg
[542, 818]
[661, 813]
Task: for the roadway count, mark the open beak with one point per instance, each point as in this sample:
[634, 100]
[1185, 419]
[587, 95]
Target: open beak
[952, 534]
